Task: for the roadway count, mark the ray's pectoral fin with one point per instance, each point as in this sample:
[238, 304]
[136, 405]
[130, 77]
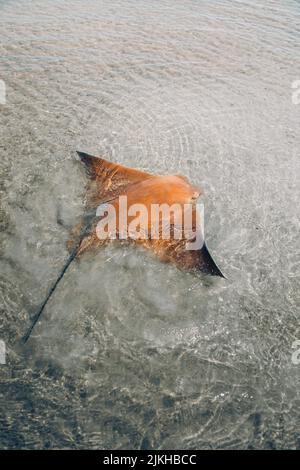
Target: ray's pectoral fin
[196, 260]
[188, 249]
[108, 180]
[175, 251]
[207, 264]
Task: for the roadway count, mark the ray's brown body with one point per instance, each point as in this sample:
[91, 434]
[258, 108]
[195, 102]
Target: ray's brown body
[108, 181]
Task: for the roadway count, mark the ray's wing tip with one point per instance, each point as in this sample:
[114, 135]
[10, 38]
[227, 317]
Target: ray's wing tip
[89, 161]
[219, 273]
[210, 267]
[83, 155]
[214, 270]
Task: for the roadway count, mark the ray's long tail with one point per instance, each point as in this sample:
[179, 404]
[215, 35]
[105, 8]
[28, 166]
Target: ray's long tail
[87, 226]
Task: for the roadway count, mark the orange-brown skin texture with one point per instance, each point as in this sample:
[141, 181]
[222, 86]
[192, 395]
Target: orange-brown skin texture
[108, 181]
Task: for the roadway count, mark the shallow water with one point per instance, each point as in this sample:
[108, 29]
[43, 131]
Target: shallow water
[131, 353]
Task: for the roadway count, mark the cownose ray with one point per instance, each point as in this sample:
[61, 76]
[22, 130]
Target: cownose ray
[107, 183]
